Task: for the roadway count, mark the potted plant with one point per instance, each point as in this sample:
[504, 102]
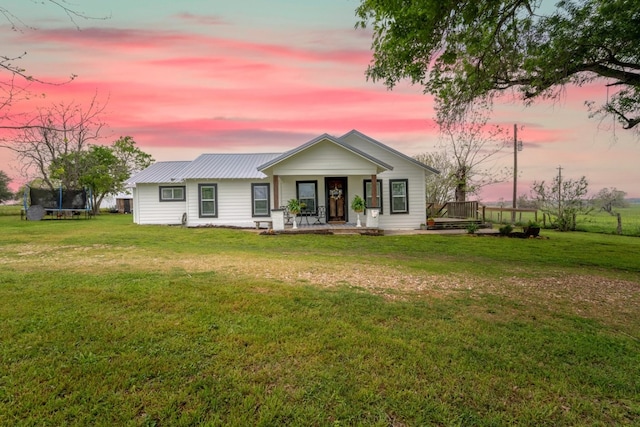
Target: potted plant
[357, 205]
[532, 229]
[294, 208]
[431, 222]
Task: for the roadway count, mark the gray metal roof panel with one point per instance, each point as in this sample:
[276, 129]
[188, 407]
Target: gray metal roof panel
[159, 172]
[227, 166]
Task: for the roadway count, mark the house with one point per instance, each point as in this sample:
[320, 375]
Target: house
[324, 174]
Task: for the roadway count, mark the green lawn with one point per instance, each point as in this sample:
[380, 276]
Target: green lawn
[109, 323]
[603, 222]
[594, 222]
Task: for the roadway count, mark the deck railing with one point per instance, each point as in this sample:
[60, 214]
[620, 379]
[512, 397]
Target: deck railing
[473, 210]
[462, 210]
[514, 214]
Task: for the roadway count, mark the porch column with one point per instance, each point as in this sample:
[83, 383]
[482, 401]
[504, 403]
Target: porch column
[276, 192]
[372, 212]
[374, 191]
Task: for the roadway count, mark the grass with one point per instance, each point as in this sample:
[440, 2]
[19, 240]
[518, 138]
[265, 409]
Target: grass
[109, 323]
[595, 221]
[603, 222]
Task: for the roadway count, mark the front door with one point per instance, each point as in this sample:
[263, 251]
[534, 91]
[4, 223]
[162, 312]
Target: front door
[336, 194]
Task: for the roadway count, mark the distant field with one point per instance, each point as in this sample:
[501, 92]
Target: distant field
[594, 222]
[602, 222]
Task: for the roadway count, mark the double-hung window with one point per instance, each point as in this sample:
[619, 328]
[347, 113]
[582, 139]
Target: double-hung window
[260, 199]
[208, 200]
[308, 195]
[399, 191]
[172, 194]
[367, 193]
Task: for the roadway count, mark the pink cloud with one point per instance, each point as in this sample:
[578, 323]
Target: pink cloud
[128, 40]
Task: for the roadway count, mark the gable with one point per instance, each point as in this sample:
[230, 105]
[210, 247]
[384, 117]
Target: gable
[382, 151]
[325, 155]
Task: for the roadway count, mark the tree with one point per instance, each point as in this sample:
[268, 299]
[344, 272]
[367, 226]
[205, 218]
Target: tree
[562, 200]
[16, 86]
[439, 188]
[103, 169]
[609, 198]
[464, 51]
[5, 193]
[466, 156]
[472, 145]
[53, 135]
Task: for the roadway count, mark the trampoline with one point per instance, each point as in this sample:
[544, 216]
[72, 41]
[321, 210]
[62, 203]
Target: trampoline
[41, 203]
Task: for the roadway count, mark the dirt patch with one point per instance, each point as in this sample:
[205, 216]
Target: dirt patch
[586, 295]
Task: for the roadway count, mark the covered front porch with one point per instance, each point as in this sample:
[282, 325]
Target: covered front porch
[323, 176]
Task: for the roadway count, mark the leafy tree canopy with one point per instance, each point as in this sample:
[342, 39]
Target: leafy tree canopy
[463, 51]
[103, 169]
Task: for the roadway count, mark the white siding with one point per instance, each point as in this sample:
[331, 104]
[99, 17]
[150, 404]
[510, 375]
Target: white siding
[233, 202]
[327, 159]
[402, 169]
[148, 209]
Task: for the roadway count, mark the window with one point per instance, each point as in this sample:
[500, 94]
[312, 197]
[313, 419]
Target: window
[208, 200]
[399, 190]
[172, 194]
[307, 195]
[260, 199]
[367, 194]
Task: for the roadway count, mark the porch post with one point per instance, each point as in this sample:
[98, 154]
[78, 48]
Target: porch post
[372, 212]
[374, 191]
[276, 192]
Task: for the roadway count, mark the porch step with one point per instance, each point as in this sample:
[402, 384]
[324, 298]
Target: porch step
[331, 230]
[456, 224]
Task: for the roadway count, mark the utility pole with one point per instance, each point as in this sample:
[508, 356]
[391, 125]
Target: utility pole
[559, 191]
[517, 146]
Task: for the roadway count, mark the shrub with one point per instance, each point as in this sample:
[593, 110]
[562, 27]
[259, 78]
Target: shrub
[505, 230]
[472, 228]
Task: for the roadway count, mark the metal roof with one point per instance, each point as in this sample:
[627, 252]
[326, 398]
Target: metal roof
[248, 166]
[391, 150]
[159, 172]
[314, 141]
[227, 166]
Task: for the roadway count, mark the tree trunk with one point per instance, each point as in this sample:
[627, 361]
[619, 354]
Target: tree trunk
[619, 230]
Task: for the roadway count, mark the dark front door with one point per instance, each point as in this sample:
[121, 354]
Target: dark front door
[336, 192]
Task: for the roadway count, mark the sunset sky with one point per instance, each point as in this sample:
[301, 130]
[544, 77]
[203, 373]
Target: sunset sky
[194, 76]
